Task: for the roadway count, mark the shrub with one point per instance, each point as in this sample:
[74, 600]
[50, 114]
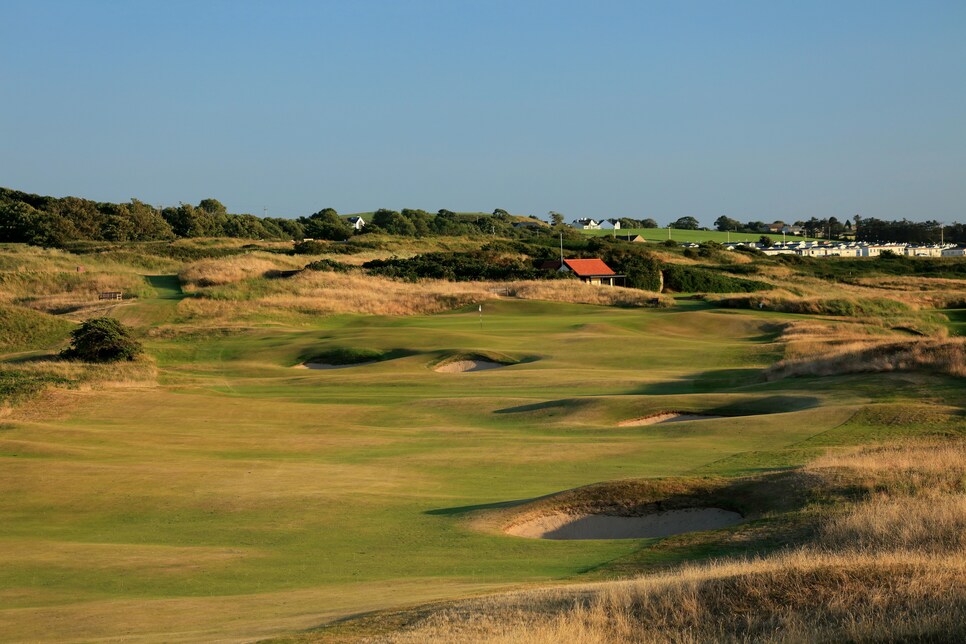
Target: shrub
[102, 340]
[641, 269]
[309, 247]
[686, 279]
[457, 267]
[328, 265]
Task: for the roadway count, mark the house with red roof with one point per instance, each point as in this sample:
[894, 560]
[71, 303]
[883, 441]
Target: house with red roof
[590, 271]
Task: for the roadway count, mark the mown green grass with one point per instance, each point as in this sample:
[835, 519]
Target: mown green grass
[242, 487]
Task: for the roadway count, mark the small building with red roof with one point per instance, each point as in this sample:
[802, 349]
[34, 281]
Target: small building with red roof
[590, 271]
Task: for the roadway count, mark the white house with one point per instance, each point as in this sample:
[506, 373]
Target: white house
[610, 224]
[586, 224]
[924, 251]
[874, 250]
[356, 222]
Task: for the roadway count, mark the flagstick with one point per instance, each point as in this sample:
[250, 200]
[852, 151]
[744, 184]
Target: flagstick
[481, 317]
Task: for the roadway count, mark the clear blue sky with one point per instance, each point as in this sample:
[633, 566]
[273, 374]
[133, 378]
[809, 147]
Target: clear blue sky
[752, 109]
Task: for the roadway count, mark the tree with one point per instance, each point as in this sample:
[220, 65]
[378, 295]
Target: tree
[686, 223]
[835, 228]
[188, 221]
[326, 224]
[212, 207]
[500, 212]
[393, 223]
[102, 340]
[556, 219]
[724, 224]
[421, 220]
[765, 241]
[147, 222]
[649, 223]
[640, 268]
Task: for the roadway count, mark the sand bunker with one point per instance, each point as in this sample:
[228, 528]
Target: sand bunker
[666, 417]
[323, 365]
[606, 526]
[464, 366]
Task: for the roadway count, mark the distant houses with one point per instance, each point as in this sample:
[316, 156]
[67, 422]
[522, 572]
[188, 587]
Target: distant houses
[848, 249]
[357, 223]
[593, 224]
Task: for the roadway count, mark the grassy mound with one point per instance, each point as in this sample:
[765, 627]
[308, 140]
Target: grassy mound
[22, 329]
[345, 356]
[474, 356]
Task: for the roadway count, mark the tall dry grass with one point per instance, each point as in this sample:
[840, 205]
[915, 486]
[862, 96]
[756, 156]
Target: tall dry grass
[331, 293]
[802, 596]
[912, 497]
[227, 270]
[24, 385]
[928, 523]
[944, 356]
[66, 291]
[575, 292]
[915, 467]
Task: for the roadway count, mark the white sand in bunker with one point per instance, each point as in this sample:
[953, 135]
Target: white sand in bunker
[323, 365]
[566, 526]
[666, 417]
[465, 366]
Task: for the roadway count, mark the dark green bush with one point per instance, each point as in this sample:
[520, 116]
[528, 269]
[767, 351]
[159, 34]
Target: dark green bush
[329, 265]
[309, 247]
[102, 340]
[457, 267]
[687, 279]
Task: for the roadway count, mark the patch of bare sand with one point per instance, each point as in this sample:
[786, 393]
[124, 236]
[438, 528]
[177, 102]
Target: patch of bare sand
[325, 366]
[465, 366]
[567, 526]
[664, 417]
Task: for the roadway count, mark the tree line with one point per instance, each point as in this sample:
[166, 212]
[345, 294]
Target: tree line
[57, 222]
[910, 232]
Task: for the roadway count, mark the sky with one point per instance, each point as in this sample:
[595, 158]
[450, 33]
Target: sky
[757, 110]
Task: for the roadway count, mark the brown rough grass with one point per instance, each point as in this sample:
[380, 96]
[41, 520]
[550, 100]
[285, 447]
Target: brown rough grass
[800, 596]
[947, 356]
[331, 293]
[576, 292]
[226, 270]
